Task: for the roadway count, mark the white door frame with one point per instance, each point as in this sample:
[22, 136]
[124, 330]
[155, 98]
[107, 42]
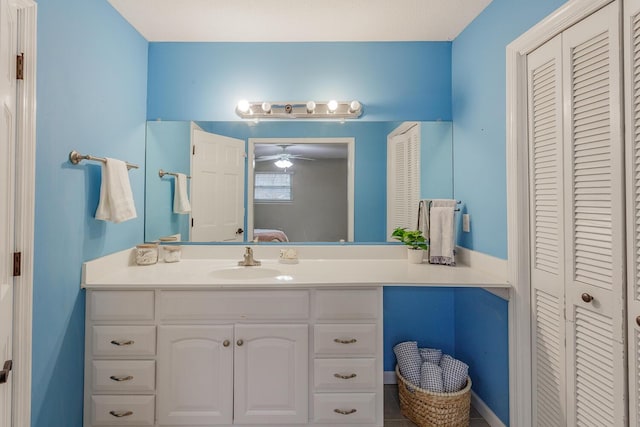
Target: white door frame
[518, 199]
[351, 148]
[25, 212]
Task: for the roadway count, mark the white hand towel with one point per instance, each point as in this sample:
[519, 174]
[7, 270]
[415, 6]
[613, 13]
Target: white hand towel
[116, 198]
[181, 203]
[423, 217]
[442, 232]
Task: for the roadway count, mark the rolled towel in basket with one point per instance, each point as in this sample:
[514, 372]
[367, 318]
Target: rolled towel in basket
[431, 378]
[454, 374]
[409, 361]
[432, 355]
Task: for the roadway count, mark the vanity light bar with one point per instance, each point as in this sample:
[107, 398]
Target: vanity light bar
[299, 110]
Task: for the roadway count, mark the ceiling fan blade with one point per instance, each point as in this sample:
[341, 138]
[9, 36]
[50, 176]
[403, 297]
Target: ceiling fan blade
[266, 158]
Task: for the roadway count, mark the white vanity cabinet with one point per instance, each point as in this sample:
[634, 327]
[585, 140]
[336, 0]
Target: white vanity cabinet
[224, 374]
[202, 357]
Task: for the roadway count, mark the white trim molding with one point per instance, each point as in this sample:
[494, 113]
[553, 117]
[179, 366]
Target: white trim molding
[483, 409]
[25, 213]
[520, 394]
[488, 264]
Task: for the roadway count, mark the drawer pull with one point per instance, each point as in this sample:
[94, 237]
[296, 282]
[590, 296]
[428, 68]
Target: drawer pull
[127, 378]
[345, 411]
[121, 343]
[345, 377]
[240, 342]
[226, 343]
[341, 341]
[120, 414]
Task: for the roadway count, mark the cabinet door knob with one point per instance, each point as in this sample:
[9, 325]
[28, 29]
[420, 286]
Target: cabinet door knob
[240, 342]
[586, 297]
[226, 343]
[122, 342]
[120, 414]
[119, 379]
[345, 411]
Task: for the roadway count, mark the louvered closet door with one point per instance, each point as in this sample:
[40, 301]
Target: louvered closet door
[632, 113]
[403, 179]
[544, 70]
[594, 221]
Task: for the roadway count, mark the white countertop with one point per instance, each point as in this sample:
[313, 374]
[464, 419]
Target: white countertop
[210, 266]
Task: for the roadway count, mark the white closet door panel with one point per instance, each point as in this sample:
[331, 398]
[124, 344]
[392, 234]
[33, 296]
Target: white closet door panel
[403, 179]
[632, 116]
[546, 233]
[594, 218]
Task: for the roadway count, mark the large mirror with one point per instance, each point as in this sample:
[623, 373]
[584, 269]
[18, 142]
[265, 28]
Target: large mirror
[334, 190]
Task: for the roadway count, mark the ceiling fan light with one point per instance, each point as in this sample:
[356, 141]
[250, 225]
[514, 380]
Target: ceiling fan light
[283, 163]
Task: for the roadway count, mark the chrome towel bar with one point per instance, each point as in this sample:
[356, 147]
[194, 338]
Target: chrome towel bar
[75, 158]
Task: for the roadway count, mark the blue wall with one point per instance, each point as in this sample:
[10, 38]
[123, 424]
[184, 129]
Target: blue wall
[479, 135]
[481, 341]
[394, 81]
[436, 160]
[168, 146]
[92, 98]
[479, 117]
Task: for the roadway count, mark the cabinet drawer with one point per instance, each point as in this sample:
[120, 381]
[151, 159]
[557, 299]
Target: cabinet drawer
[121, 305]
[345, 339]
[123, 375]
[347, 304]
[212, 305]
[122, 410]
[124, 340]
[344, 408]
[344, 374]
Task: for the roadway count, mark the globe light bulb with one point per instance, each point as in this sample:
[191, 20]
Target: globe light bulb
[244, 106]
[332, 106]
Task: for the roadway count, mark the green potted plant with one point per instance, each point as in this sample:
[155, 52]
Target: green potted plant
[414, 240]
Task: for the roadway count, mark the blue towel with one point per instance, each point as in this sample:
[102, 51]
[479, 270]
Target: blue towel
[432, 355]
[409, 361]
[431, 378]
[454, 374]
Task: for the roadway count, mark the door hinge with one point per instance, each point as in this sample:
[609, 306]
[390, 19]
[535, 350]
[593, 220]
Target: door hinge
[194, 150]
[17, 258]
[191, 222]
[20, 67]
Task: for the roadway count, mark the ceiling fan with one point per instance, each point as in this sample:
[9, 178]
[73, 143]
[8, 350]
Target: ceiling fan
[283, 159]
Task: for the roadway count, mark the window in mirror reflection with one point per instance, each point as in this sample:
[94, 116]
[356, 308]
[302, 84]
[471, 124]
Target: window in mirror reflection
[272, 187]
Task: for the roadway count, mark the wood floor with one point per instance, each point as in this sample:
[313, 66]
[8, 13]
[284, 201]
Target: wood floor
[393, 417]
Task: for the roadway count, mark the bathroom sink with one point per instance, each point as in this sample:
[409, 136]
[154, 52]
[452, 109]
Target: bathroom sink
[246, 273]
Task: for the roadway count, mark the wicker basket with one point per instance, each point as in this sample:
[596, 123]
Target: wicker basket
[429, 409]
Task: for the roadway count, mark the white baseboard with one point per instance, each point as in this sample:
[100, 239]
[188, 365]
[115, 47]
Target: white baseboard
[486, 412]
[492, 419]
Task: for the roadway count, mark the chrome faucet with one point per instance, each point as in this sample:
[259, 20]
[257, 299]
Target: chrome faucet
[248, 260]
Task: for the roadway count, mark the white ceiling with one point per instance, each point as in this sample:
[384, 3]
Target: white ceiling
[314, 151]
[299, 20]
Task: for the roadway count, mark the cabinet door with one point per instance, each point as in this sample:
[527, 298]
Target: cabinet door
[271, 374]
[195, 375]
[594, 231]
